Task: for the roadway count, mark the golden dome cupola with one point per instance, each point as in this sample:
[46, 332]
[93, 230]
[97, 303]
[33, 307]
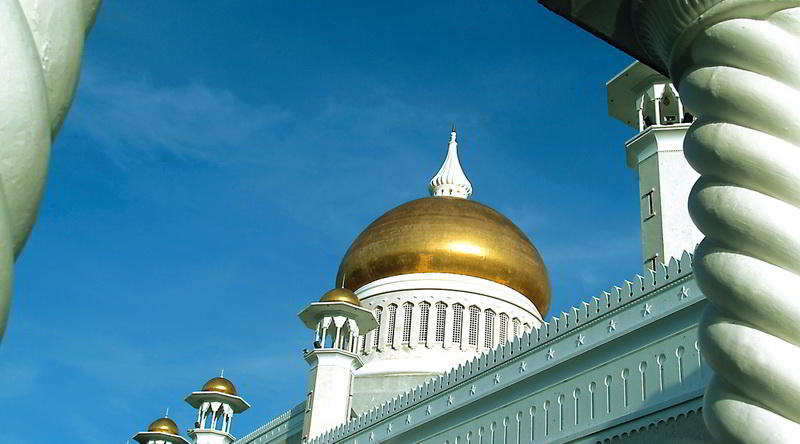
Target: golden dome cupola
[162, 430]
[164, 425]
[451, 180]
[341, 295]
[219, 384]
[446, 279]
[448, 233]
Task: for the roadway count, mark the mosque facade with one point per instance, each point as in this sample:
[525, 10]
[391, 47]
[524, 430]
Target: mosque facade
[437, 330]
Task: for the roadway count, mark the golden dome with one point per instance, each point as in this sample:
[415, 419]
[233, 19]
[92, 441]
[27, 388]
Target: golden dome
[164, 425]
[447, 235]
[221, 385]
[341, 295]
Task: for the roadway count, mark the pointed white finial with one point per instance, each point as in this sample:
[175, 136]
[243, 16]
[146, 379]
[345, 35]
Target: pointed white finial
[451, 180]
[166, 414]
[222, 373]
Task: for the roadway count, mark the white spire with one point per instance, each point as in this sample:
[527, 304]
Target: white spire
[451, 180]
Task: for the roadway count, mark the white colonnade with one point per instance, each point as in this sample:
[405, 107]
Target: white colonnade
[737, 66]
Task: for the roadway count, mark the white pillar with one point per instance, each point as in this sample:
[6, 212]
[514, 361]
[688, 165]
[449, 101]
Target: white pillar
[416, 318]
[737, 66]
[329, 383]
[465, 319]
[447, 343]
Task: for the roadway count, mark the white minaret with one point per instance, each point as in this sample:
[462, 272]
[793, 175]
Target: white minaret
[161, 431]
[451, 180]
[647, 101]
[216, 403]
[337, 320]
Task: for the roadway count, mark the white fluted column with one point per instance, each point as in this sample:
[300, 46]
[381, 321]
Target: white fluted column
[737, 66]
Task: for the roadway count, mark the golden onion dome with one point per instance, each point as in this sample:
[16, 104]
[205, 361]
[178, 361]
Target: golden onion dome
[164, 425]
[220, 385]
[447, 235]
[341, 295]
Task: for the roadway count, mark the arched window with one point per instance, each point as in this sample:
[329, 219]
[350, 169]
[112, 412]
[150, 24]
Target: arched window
[424, 316]
[474, 316]
[390, 327]
[503, 328]
[526, 326]
[407, 322]
[516, 325]
[458, 322]
[377, 331]
[489, 329]
[441, 314]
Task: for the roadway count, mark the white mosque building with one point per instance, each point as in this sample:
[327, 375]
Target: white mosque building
[437, 332]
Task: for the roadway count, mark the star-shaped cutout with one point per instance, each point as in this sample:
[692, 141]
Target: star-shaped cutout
[372, 436]
[389, 428]
[450, 400]
[646, 310]
[684, 293]
[551, 354]
[472, 389]
[580, 340]
[522, 367]
[497, 378]
[612, 325]
[408, 419]
[428, 410]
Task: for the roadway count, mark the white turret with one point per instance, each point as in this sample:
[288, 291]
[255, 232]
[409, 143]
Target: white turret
[451, 180]
[338, 320]
[216, 403]
[648, 102]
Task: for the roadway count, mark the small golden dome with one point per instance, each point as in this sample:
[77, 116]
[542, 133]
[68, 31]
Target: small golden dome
[164, 425]
[341, 295]
[221, 385]
[447, 235]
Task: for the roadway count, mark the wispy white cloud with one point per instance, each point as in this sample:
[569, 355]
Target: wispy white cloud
[137, 117]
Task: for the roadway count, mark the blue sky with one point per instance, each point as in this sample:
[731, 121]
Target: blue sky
[221, 156]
